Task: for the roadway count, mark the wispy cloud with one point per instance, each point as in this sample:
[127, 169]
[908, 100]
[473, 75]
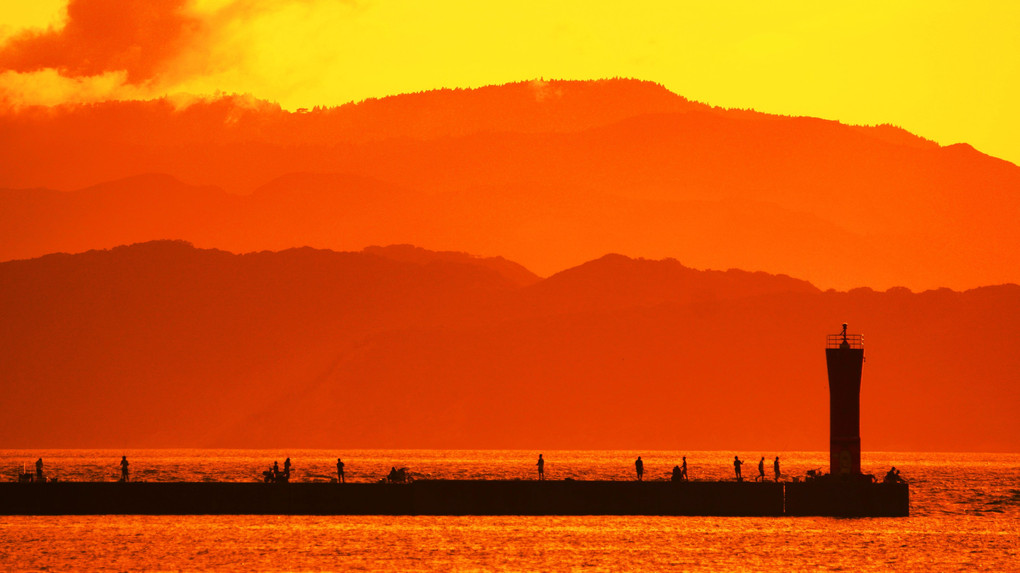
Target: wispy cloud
[112, 49]
[101, 36]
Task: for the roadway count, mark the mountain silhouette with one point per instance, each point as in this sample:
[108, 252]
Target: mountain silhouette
[617, 281]
[510, 270]
[550, 174]
[161, 344]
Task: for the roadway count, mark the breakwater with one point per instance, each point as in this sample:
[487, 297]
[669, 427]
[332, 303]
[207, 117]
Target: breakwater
[460, 497]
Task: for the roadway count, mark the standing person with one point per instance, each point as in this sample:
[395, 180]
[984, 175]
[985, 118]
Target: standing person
[286, 469]
[640, 467]
[123, 469]
[38, 471]
[736, 468]
[276, 471]
[683, 470]
[340, 471]
[761, 469]
[541, 468]
[775, 467]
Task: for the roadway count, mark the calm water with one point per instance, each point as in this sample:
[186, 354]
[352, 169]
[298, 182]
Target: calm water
[965, 516]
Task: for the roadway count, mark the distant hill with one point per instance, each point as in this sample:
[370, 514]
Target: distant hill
[550, 174]
[162, 344]
[616, 281]
[510, 270]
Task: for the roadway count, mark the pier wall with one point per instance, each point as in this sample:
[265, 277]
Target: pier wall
[842, 499]
[455, 497]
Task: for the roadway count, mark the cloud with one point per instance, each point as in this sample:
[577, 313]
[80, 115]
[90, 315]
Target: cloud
[542, 91]
[48, 87]
[138, 38]
[141, 49]
[116, 49]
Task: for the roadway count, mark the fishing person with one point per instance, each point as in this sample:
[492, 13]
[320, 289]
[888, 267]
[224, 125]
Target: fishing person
[736, 468]
[340, 471]
[541, 468]
[640, 467]
[893, 476]
[761, 470]
[775, 467]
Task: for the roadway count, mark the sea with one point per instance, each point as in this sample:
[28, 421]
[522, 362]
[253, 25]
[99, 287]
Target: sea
[964, 516]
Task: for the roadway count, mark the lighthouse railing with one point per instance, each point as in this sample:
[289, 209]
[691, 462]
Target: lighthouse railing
[836, 340]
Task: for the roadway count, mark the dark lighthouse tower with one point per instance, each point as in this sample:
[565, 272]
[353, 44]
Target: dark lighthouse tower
[844, 356]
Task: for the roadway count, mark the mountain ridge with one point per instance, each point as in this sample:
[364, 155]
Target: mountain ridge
[841, 206]
[165, 345]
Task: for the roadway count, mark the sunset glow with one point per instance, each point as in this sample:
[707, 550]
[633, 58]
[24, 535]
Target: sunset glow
[457, 285]
[948, 71]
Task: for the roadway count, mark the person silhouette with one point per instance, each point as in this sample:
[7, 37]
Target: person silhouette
[286, 469]
[541, 468]
[676, 473]
[775, 467]
[893, 476]
[683, 469]
[640, 467]
[276, 471]
[38, 470]
[340, 471]
[761, 469]
[736, 468]
[123, 469]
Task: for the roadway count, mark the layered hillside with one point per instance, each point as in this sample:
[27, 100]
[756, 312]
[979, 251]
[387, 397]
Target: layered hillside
[163, 344]
[550, 174]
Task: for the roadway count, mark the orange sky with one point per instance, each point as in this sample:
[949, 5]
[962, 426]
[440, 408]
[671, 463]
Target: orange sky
[945, 70]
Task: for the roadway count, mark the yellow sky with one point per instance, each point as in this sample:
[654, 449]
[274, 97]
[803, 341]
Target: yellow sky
[948, 71]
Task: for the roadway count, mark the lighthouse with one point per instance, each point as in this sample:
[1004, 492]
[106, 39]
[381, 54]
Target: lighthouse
[844, 357]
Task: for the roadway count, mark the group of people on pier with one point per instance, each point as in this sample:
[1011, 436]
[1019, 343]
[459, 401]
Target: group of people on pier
[893, 476]
[680, 470]
[737, 462]
[275, 475]
[40, 476]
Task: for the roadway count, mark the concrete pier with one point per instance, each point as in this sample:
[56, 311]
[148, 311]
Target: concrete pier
[847, 499]
[458, 497]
